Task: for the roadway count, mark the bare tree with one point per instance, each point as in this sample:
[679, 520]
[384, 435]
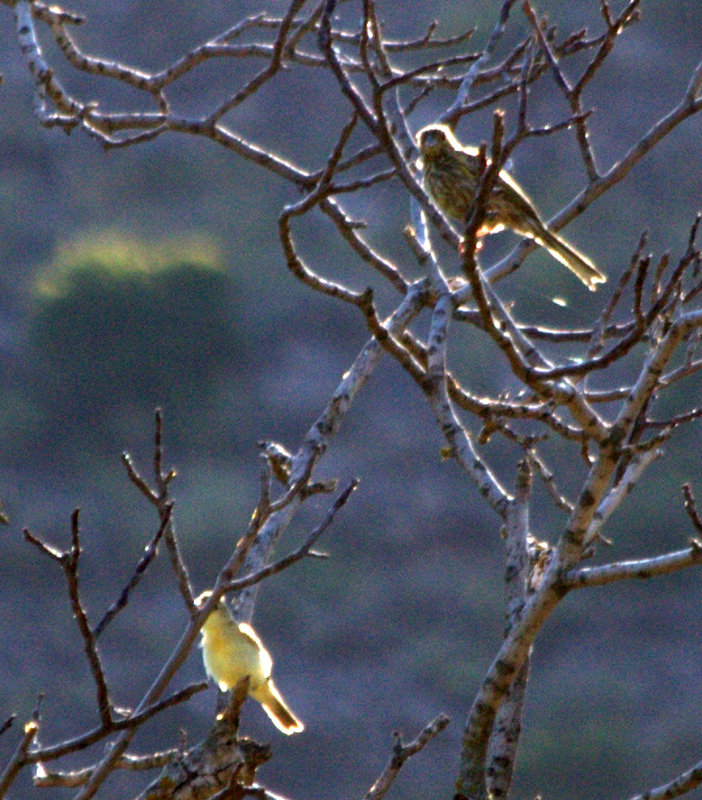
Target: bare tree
[647, 326]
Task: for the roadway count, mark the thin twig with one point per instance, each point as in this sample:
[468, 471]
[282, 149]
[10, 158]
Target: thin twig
[19, 758]
[401, 752]
[304, 550]
[691, 507]
[69, 563]
[149, 554]
[162, 482]
[681, 784]
[7, 724]
[133, 721]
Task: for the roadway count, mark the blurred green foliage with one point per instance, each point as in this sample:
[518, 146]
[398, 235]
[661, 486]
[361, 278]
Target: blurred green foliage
[120, 325]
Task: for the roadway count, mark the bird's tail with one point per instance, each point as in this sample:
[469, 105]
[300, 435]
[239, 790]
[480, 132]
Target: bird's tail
[570, 257]
[274, 705]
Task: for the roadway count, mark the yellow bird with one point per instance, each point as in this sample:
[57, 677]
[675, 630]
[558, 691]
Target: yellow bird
[232, 651]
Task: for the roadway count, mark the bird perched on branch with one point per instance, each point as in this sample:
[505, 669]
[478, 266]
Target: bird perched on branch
[232, 651]
[451, 175]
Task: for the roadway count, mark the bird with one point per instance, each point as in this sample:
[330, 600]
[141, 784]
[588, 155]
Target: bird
[451, 174]
[232, 651]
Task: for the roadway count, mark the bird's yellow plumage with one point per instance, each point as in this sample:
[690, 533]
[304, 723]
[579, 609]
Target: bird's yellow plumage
[232, 651]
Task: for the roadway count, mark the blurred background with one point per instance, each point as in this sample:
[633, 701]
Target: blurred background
[153, 276]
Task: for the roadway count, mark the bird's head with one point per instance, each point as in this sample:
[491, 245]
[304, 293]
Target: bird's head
[436, 139]
[202, 598]
[218, 617]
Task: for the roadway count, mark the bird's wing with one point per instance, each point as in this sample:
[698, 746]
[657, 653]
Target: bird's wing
[472, 153]
[249, 633]
[509, 180]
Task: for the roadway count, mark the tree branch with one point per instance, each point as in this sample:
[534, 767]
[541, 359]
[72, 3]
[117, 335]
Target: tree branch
[401, 753]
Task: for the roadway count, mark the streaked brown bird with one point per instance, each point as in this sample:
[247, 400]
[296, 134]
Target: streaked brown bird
[451, 174]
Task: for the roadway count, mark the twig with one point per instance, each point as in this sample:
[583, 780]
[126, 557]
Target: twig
[19, 758]
[470, 79]
[549, 482]
[691, 507]
[572, 94]
[130, 723]
[326, 45]
[7, 724]
[349, 231]
[598, 333]
[138, 481]
[162, 481]
[401, 752]
[69, 562]
[681, 784]
[149, 554]
[45, 779]
[305, 549]
[640, 569]
[265, 74]
[39, 69]
[640, 460]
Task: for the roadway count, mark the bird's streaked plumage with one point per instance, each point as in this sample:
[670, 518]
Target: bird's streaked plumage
[451, 175]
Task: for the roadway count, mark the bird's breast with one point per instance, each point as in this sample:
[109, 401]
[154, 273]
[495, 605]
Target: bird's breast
[229, 657]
